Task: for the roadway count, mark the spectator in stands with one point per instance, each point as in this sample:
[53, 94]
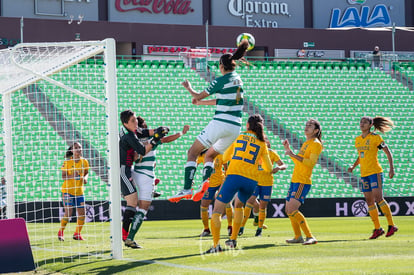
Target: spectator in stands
[128, 143]
[225, 126]
[75, 171]
[376, 57]
[3, 197]
[264, 190]
[143, 177]
[242, 173]
[301, 180]
[367, 145]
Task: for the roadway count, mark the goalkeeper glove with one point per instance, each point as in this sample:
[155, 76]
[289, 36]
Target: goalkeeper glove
[159, 133]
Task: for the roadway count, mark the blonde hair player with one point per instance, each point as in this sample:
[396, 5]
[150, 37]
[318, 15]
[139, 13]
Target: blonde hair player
[372, 177]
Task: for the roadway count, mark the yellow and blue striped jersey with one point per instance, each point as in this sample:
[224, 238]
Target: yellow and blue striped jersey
[266, 178]
[218, 175]
[368, 153]
[73, 186]
[302, 172]
[244, 155]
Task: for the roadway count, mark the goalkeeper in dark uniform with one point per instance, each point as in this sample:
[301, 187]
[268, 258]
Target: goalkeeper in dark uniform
[129, 142]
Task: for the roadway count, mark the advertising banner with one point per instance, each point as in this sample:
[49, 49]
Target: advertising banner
[178, 12]
[358, 13]
[98, 211]
[258, 13]
[75, 10]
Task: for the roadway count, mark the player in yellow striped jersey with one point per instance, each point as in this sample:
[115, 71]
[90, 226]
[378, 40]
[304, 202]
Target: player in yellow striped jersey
[75, 171]
[301, 180]
[263, 191]
[367, 145]
[216, 180]
[242, 173]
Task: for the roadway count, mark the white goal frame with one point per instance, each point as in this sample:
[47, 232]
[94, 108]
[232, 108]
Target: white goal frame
[16, 76]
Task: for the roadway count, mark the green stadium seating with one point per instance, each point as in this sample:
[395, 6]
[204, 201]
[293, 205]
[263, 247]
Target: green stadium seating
[335, 93]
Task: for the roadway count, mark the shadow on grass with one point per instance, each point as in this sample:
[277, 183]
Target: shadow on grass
[71, 259]
[111, 268]
[340, 241]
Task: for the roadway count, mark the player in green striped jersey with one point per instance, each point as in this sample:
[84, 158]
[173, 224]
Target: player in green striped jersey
[225, 126]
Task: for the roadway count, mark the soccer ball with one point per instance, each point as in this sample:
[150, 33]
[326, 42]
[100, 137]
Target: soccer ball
[248, 37]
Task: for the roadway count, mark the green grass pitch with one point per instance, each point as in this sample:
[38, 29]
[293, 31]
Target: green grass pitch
[173, 247]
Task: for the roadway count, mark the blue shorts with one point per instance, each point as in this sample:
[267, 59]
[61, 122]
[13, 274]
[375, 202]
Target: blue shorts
[236, 184]
[263, 192]
[71, 200]
[298, 191]
[209, 194]
[371, 182]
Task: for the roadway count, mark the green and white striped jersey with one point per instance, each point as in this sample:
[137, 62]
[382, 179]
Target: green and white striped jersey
[229, 95]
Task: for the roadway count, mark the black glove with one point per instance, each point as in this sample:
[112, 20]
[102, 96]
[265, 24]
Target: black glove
[160, 132]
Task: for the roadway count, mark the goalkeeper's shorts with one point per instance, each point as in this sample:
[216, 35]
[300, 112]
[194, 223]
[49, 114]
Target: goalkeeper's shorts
[127, 184]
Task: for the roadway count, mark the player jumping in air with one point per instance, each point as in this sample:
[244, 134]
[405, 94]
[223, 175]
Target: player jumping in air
[225, 126]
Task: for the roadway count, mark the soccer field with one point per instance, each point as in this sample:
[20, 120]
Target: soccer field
[173, 247]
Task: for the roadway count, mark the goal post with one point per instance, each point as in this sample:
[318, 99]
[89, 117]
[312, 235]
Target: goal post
[55, 94]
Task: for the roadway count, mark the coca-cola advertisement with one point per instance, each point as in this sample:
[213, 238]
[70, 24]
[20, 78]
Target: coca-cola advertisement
[189, 12]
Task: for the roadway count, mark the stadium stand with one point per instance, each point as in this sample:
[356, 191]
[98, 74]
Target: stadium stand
[286, 93]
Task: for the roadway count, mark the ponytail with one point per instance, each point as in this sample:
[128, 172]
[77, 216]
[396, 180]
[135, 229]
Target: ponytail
[382, 124]
[256, 125]
[69, 152]
[318, 126]
[228, 60]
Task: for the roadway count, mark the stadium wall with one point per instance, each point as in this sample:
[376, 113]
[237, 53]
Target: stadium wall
[39, 30]
[165, 210]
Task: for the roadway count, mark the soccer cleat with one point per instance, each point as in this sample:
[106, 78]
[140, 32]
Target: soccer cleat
[295, 240]
[205, 233]
[231, 243]
[258, 232]
[241, 231]
[132, 244]
[213, 249]
[201, 190]
[156, 194]
[391, 230]
[78, 237]
[183, 194]
[229, 230]
[60, 236]
[310, 240]
[377, 232]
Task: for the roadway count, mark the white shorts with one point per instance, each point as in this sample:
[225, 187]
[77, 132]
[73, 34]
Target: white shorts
[145, 186]
[219, 135]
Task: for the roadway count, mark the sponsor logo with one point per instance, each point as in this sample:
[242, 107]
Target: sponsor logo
[379, 16]
[359, 208]
[181, 7]
[246, 9]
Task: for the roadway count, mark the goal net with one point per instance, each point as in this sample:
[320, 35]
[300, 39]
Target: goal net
[55, 94]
